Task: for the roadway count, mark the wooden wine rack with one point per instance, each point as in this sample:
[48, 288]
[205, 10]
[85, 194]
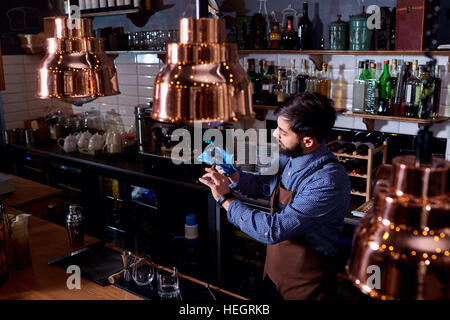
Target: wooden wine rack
[370, 166]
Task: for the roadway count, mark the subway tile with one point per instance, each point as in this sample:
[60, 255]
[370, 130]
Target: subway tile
[387, 126]
[14, 124]
[13, 69]
[13, 78]
[13, 59]
[441, 130]
[128, 100]
[125, 58]
[110, 99]
[30, 59]
[148, 69]
[15, 88]
[343, 103]
[340, 90]
[126, 79]
[340, 62]
[342, 76]
[126, 69]
[12, 97]
[145, 100]
[359, 124]
[126, 110]
[147, 58]
[15, 107]
[408, 128]
[145, 91]
[129, 90]
[16, 116]
[34, 114]
[445, 96]
[344, 122]
[146, 80]
[446, 111]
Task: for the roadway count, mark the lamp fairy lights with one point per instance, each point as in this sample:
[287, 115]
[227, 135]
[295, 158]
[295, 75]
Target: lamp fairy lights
[407, 235]
[203, 80]
[76, 68]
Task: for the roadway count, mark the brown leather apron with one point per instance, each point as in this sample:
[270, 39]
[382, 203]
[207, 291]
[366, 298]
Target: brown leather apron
[298, 271]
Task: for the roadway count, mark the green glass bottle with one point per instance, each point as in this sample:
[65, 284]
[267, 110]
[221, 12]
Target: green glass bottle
[384, 89]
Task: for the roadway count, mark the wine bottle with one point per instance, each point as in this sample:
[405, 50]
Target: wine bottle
[305, 30]
[301, 78]
[290, 39]
[258, 36]
[437, 93]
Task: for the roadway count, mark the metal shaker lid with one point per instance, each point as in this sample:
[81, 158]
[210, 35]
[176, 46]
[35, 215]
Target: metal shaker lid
[74, 215]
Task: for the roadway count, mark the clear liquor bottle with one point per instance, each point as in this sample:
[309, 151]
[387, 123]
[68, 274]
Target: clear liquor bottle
[359, 90]
[371, 104]
[324, 82]
[291, 75]
[311, 82]
[301, 78]
[413, 92]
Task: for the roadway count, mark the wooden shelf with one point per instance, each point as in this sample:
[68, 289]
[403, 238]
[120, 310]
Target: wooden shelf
[109, 13]
[347, 52]
[369, 119]
[361, 194]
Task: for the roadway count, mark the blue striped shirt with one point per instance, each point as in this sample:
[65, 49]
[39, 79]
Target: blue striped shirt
[316, 212]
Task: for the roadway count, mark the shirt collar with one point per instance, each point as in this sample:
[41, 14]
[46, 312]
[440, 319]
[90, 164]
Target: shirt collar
[302, 162]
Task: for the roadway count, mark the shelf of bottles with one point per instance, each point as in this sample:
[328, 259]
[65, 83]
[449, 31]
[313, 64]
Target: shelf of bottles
[97, 8]
[359, 160]
[272, 85]
[244, 52]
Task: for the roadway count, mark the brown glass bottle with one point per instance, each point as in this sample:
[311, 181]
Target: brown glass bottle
[275, 36]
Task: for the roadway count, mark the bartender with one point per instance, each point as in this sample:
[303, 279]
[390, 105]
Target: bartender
[309, 198]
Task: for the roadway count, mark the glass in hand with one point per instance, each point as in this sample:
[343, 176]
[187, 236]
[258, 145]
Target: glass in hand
[143, 272]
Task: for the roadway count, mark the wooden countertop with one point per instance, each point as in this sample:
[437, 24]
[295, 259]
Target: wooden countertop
[28, 192]
[42, 281]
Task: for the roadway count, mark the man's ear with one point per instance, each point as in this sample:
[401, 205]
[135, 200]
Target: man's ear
[308, 142]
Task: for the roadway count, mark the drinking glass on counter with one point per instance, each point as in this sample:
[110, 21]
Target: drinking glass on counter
[143, 272]
[168, 288]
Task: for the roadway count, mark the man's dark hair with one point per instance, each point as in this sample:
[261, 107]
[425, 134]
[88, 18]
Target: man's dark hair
[309, 114]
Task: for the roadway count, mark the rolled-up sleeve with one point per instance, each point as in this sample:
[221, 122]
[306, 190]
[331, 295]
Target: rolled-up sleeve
[317, 202]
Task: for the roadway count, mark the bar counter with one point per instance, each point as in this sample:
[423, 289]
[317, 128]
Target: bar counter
[43, 281]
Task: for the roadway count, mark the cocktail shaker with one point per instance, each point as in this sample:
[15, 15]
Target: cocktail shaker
[75, 225]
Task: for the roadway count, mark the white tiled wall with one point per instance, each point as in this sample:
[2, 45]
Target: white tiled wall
[137, 73]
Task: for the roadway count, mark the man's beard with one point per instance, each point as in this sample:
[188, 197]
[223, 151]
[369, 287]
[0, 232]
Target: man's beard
[293, 152]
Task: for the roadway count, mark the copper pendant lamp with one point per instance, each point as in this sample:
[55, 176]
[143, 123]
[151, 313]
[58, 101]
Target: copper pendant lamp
[203, 80]
[407, 235]
[76, 68]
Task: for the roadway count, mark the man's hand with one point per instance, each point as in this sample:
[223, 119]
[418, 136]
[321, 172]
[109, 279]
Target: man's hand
[217, 182]
[233, 178]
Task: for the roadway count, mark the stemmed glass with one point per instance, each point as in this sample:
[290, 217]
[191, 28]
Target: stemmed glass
[143, 272]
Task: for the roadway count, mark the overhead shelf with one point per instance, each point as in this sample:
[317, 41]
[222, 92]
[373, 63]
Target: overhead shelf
[346, 52]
